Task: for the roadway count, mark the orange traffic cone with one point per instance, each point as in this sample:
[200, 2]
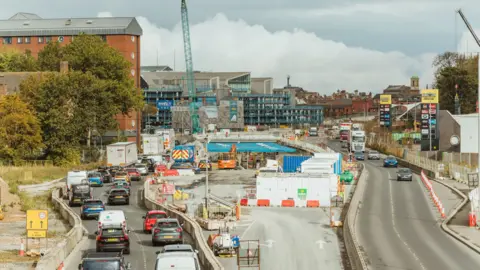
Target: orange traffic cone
[61, 266]
[21, 252]
[472, 219]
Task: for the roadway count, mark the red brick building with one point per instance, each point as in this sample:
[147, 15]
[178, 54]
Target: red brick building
[362, 105]
[29, 31]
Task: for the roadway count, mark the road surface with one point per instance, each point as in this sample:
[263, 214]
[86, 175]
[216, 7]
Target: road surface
[398, 228]
[142, 254]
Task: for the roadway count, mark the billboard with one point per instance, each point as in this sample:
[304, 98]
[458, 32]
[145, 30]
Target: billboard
[430, 96]
[385, 99]
[164, 104]
[233, 111]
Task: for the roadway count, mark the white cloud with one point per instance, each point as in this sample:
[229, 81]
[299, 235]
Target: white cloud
[219, 44]
[105, 14]
[467, 43]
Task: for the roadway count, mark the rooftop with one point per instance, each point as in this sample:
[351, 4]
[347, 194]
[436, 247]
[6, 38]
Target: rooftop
[12, 80]
[156, 78]
[155, 68]
[29, 24]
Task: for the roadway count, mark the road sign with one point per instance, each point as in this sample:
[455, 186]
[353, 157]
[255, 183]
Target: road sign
[302, 193]
[37, 219]
[37, 233]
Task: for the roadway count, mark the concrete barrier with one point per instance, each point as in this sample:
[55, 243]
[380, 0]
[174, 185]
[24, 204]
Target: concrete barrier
[205, 254]
[57, 254]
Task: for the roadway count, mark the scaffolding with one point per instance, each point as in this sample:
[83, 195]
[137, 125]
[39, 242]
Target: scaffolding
[248, 254]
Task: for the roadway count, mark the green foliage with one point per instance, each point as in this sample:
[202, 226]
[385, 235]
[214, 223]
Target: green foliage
[15, 61]
[20, 133]
[50, 56]
[453, 70]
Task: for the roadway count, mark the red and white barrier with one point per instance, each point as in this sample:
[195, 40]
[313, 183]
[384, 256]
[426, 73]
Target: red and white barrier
[433, 195]
[279, 203]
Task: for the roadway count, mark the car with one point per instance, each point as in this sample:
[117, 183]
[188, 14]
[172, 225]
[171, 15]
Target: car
[151, 218]
[113, 238]
[150, 163]
[404, 174]
[79, 193]
[122, 184]
[103, 260]
[107, 177]
[177, 248]
[122, 175]
[167, 230]
[91, 208]
[359, 155]
[177, 260]
[142, 168]
[373, 155]
[119, 196]
[95, 179]
[133, 174]
[390, 161]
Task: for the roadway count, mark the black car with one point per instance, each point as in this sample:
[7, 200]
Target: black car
[113, 238]
[112, 170]
[79, 194]
[404, 174]
[118, 196]
[107, 177]
[111, 261]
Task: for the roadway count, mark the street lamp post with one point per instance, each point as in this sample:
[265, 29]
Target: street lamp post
[207, 141]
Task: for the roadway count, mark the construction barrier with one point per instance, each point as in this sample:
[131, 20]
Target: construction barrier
[244, 202]
[313, 203]
[472, 219]
[433, 195]
[170, 173]
[263, 202]
[288, 203]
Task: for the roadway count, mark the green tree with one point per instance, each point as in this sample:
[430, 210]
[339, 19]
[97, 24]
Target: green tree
[456, 74]
[15, 61]
[50, 56]
[20, 133]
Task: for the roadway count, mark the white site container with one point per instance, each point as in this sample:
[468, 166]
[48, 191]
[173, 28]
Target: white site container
[122, 154]
[286, 186]
[152, 144]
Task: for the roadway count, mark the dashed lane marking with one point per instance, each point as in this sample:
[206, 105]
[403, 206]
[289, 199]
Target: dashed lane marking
[396, 231]
[143, 250]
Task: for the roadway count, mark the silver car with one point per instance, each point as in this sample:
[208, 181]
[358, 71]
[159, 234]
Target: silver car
[142, 168]
[373, 155]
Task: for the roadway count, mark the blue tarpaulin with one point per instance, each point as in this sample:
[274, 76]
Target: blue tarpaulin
[260, 147]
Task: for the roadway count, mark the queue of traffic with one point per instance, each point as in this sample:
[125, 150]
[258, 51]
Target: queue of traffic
[112, 234]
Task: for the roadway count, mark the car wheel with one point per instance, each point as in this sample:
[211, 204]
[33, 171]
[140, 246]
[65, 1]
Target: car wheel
[154, 244]
[82, 217]
[398, 179]
[128, 201]
[411, 180]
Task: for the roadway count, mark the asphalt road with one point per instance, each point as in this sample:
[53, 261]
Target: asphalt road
[142, 254]
[398, 228]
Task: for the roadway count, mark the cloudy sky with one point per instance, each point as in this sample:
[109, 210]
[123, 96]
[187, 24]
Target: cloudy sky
[323, 45]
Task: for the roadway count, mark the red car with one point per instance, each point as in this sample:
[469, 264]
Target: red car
[151, 218]
[134, 174]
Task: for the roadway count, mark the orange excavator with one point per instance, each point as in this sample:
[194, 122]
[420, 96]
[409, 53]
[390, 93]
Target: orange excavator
[228, 160]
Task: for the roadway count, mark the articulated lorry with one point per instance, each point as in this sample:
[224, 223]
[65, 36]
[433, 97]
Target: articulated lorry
[357, 141]
[345, 130]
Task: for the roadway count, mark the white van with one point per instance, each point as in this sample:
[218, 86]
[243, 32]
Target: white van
[112, 217]
[75, 178]
[177, 260]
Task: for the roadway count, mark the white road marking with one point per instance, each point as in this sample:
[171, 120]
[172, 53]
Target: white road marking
[396, 231]
[143, 250]
[246, 230]
[389, 176]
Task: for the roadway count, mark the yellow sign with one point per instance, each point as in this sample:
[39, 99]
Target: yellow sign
[385, 99]
[37, 219]
[430, 96]
[37, 233]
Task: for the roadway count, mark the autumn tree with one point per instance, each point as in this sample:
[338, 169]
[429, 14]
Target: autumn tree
[20, 133]
[16, 61]
[456, 73]
[50, 56]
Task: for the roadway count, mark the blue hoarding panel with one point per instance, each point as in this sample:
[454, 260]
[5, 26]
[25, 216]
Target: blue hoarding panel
[265, 147]
[164, 104]
[292, 164]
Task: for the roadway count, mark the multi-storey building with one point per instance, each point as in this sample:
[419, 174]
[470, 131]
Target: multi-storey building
[26, 31]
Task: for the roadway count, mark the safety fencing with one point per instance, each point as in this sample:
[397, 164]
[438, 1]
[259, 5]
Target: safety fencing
[433, 195]
[280, 203]
[205, 254]
[55, 256]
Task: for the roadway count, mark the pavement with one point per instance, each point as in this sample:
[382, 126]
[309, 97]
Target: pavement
[142, 254]
[399, 228]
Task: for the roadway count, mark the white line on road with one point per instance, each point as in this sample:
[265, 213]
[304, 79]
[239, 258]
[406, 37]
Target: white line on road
[246, 230]
[389, 176]
[143, 250]
[395, 227]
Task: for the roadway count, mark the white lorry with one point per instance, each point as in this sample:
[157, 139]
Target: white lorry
[357, 141]
[122, 154]
[152, 144]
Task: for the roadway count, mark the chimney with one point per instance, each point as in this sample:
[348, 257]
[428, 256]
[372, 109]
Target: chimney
[63, 67]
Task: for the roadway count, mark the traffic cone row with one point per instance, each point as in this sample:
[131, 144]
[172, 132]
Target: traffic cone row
[433, 195]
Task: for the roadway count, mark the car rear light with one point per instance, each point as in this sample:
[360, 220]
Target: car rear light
[98, 238]
[179, 230]
[156, 230]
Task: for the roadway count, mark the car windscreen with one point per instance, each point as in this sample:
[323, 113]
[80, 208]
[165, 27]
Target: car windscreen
[112, 232]
[391, 159]
[157, 216]
[406, 171]
[118, 192]
[93, 203]
[131, 170]
[167, 224]
[100, 264]
[81, 189]
[94, 175]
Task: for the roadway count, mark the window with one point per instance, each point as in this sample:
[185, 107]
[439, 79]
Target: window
[48, 39]
[27, 40]
[7, 40]
[19, 40]
[133, 38]
[60, 39]
[133, 72]
[133, 55]
[41, 40]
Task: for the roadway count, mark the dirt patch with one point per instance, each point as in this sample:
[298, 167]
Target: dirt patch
[11, 256]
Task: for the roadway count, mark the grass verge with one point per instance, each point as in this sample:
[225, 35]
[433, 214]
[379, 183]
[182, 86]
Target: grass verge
[28, 202]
